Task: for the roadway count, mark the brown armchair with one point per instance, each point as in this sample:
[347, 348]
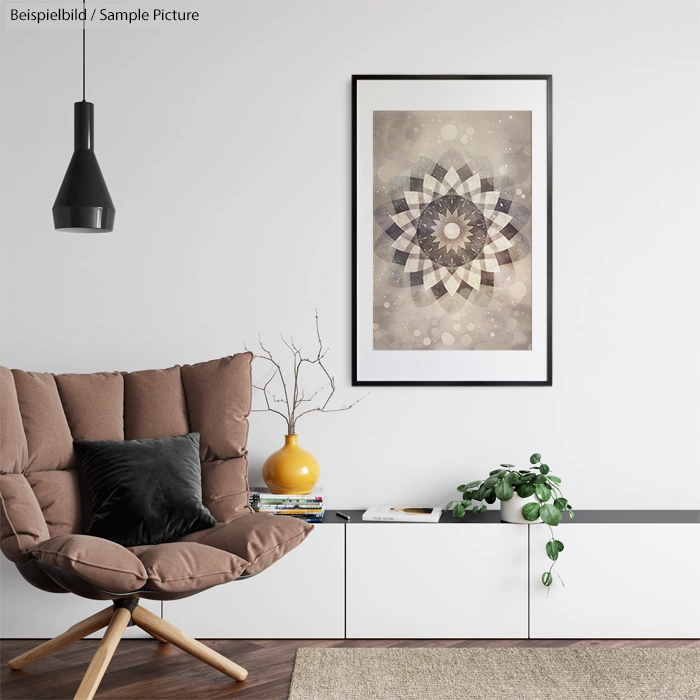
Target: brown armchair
[44, 508]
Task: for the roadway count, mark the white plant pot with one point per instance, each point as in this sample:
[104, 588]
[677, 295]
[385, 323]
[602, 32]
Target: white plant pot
[512, 509]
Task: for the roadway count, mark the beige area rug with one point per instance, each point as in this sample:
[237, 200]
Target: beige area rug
[496, 674]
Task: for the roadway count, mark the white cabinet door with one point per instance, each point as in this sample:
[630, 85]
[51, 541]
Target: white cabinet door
[417, 581]
[300, 596]
[28, 613]
[623, 581]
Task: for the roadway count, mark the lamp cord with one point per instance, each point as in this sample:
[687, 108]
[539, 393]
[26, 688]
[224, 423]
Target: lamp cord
[84, 16]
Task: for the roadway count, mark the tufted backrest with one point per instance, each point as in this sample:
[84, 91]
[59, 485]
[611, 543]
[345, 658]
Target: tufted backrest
[41, 493]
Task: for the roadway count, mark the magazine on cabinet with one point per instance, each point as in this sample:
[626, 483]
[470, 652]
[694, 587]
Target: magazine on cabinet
[402, 515]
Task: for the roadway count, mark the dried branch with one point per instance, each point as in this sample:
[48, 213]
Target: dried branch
[295, 396]
[267, 399]
[303, 398]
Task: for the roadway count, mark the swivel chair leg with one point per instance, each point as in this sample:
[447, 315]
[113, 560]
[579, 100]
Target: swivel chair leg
[158, 627]
[73, 634]
[103, 655]
[156, 637]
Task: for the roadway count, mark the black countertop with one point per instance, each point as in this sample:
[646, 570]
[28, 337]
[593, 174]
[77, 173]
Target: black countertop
[581, 516]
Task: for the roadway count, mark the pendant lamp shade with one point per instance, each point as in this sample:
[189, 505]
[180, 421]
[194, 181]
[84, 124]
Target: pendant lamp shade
[83, 204]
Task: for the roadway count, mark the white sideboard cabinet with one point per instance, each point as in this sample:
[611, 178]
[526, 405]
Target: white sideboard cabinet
[412, 580]
[624, 579]
[628, 574]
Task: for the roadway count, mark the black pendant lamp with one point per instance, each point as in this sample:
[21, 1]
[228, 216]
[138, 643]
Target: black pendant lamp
[83, 204]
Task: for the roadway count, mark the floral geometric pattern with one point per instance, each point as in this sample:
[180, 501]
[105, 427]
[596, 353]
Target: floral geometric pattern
[451, 231]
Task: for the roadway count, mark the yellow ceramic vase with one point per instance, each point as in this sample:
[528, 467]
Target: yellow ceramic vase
[291, 469]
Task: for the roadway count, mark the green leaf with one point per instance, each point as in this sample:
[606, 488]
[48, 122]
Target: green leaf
[560, 545]
[479, 493]
[490, 482]
[555, 479]
[477, 509]
[534, 459]
[531, 511]
[547, 578]
[472, 484]
[482, 509]
[571, 514]
[549, 514]
[508, 466]
[544, 469]
[512, 478]
[543, 492]
[466, 503]
[523, 471]
[449, 505]
[539, 479]
[495, 471]
[560, 503]
[490, 497]
[552, 550]
[504, 491]
[525, 490]
[459, 511]
[461, 488]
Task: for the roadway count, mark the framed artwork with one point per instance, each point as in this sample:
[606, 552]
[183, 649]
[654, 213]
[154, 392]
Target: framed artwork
[452, 229]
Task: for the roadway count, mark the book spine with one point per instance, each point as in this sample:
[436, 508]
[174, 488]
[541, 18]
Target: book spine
[258, 504]
[287, 497]
[289, 510]
[316, 518]
[266, 504]
[287, 504]
[313, 514]
[268, 509]
[290, 504]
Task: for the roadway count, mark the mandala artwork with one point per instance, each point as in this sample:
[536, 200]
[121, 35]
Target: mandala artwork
[452, 201]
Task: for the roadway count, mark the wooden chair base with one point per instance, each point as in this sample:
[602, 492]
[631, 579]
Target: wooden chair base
[78, 631]
[116, 619]
[158, 627]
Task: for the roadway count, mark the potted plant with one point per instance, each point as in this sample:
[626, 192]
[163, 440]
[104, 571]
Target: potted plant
[526, 495]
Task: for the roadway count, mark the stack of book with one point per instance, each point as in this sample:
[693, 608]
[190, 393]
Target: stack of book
[306, 506]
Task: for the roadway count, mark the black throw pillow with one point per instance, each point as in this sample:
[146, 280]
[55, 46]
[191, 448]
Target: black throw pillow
[144, 491]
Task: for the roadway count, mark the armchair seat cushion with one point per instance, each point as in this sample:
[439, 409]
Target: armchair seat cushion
[102, 563]
[179, 567]
[258, 538]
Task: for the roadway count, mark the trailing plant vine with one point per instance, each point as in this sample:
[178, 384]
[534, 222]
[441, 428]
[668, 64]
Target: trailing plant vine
[504, 483]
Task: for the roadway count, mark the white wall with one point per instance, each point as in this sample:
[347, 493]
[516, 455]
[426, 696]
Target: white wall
[226, 147]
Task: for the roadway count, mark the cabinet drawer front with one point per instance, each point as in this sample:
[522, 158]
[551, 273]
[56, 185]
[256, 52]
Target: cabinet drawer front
[419, 581]
[623, 581]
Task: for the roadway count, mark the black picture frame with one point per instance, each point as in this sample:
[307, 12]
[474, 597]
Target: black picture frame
[357, 381]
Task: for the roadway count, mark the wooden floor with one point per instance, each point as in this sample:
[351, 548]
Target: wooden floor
[147, 670]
